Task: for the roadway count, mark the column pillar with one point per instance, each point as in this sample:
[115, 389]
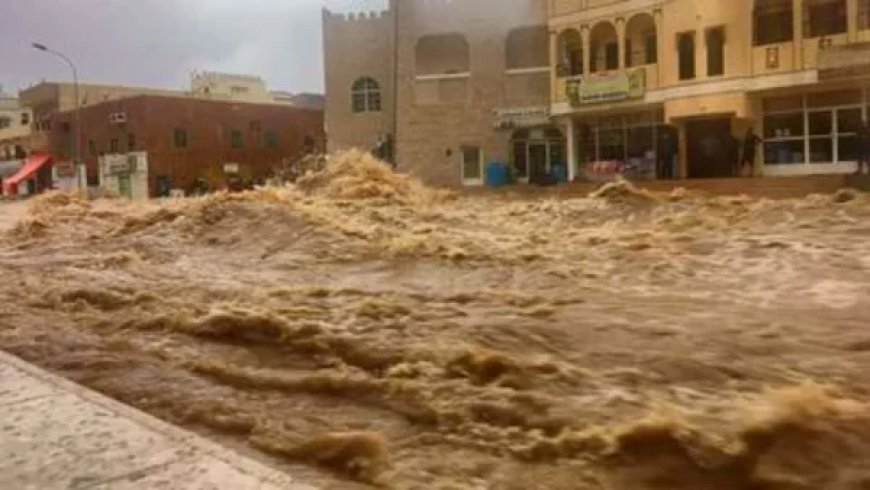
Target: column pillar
[620, 36]
[660, 45]
[572, 150]
[798, 42]
[554, 65]
[852, 16]
[587, 52]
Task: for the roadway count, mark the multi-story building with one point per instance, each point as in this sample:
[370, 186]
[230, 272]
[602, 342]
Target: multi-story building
[576, 86]
[187, 142]
[472, 78]
[48, 125]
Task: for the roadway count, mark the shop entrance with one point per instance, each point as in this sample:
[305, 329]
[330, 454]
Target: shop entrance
[712, 150]
[538, 155]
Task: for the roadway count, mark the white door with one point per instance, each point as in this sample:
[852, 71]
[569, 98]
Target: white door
[472, 165]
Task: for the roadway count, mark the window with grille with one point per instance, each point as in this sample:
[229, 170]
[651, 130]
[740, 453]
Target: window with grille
[366, 95]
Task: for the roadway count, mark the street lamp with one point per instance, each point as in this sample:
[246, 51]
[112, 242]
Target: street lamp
[78, 131]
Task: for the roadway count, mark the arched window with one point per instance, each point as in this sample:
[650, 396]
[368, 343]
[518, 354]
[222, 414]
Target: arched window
[825, 17]
[773, 22]
[604, 45]
[366, 94]
[641, 44]
[570, 53]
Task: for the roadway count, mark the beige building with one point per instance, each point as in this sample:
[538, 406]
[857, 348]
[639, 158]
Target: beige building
[469, 74]
[592, 87]
[796, 71]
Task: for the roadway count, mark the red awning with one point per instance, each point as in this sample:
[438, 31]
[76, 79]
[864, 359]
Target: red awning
[34, 162]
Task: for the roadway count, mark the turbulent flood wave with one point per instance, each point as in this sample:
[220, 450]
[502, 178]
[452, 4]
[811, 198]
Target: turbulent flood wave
[360, 329]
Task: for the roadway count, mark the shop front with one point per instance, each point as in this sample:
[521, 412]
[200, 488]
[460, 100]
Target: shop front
[813, 132]
[537, 147]
[634, 144]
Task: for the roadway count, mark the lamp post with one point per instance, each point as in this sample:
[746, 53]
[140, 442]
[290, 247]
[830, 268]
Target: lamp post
[77, 149]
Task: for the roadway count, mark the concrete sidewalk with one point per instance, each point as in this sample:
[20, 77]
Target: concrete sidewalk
[55, 434]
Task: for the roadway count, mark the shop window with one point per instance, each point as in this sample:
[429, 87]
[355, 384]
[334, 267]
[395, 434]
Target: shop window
[472, 165]
[821, 150]
[640, 43]
[838, 98]
[773, 22]
[686, 51]
[825, 17]
[442, 54]
[270, 140]
[715, 51]
[784, 152]
[237, 140]
[821, 123]
[366, 95]
[848, 123]
[527, 47]
[180, 138]
[604, 45]
[783, 104]
[784, 125]
[570, 53]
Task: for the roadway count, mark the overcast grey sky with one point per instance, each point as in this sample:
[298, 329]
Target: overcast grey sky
[159, 42]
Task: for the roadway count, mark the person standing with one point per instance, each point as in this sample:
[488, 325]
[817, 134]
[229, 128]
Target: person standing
[863, 147]
[669, 154]
[750, 143]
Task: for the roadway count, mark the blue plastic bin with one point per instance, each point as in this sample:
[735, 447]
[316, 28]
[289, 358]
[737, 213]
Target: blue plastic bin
[497, 175]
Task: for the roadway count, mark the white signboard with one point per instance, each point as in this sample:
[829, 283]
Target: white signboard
[522, 117]
[231, 168]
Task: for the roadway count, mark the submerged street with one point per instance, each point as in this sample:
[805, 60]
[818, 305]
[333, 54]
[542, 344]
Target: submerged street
[362, 330]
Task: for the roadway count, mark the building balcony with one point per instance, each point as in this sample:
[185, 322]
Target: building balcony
[605, 87]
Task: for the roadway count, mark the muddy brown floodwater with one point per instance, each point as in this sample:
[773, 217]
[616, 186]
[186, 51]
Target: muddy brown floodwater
[362, 331]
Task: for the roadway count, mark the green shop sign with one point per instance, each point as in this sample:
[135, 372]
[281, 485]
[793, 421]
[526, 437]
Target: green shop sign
[598, 89]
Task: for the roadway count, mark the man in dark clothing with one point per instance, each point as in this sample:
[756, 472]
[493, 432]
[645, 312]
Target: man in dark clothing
[863, 147]
[749, 145]
[668, 154]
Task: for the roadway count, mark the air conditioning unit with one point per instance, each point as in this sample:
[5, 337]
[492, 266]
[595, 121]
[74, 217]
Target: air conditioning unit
[118, 117]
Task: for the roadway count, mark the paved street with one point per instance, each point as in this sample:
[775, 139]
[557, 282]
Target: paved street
[57, 435]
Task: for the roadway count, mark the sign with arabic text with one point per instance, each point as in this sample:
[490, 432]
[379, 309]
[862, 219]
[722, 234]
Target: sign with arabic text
[599, 89]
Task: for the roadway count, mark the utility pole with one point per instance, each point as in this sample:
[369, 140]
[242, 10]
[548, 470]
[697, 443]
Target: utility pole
[77, 149]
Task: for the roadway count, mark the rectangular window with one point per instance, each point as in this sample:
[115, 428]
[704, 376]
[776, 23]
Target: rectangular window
[92, 148]
[236, 140]
[270, 140]
[359, 102]
[773, 22]
[825, 17]
[254, 126]
[114, 147]
[472, 165]
[686, 51]
[65, 126]
[131, 142]
[784, 152]
[715, 51]
[25, 118]
[180, 138]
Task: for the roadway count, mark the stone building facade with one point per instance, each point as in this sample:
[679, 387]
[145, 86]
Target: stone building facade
[580, 89]
[468, 74]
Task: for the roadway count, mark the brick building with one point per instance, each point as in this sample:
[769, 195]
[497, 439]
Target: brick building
[188, 139]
